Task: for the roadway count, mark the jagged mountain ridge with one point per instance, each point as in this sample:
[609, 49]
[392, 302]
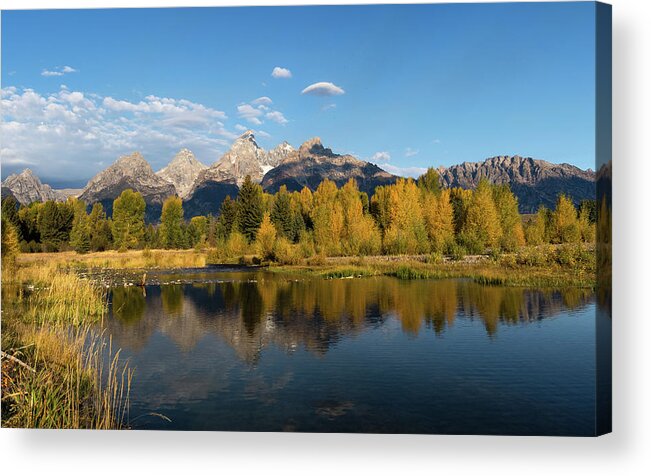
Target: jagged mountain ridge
[312, 163]
[245, 157]
[182, 172]
[129, 172]
[26, 188]
[534, 182]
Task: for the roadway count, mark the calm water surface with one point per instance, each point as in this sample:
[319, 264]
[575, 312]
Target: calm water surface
[254, 350]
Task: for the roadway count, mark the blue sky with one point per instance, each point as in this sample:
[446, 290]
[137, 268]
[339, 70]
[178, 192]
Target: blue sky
[410, 86]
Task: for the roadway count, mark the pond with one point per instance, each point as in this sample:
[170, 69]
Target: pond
[262, 351]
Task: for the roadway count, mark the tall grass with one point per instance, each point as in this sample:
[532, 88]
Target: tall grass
[58, 371]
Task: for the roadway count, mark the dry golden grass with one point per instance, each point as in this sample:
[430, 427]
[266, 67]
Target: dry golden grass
[53, 370]
[131, 259]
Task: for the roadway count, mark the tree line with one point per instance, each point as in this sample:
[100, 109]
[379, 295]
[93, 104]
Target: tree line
[408, 217]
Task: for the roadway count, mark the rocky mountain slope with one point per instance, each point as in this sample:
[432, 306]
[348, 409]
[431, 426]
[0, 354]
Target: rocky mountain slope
[534, 182]
[182, 171]
[245, 157]
[26, 188]
[312, 163]
[129, 171]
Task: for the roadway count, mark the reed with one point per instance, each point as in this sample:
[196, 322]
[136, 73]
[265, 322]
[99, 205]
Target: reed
[54, 373]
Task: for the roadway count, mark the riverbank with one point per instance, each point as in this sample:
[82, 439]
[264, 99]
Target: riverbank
[557, 269]
[549, 266]
[53, 375]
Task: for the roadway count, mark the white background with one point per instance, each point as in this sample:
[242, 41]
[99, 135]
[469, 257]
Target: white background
[626, 451]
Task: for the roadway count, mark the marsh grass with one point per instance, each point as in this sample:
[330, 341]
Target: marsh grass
[130, 259]
[542, 267]
[64, 380]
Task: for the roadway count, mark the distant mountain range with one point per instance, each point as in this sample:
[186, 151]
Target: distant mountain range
[203, 188]
[534, 182]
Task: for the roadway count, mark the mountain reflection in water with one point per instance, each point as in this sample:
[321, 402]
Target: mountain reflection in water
[260, 351]
[253, 310]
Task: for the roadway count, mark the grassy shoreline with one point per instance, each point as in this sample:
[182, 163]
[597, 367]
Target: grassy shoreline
[53, 370]
[543, 266]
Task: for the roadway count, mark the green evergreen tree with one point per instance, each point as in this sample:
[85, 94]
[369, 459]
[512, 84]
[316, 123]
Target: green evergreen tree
[53, 226]
[171, 227]
[101, 236]
[227, 220]
[80, 233]
[128, 219]
[10, 208]
[250, 208]
[281, 214]
[429, 181]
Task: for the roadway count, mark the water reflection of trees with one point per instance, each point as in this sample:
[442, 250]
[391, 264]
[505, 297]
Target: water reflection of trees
[265, 309]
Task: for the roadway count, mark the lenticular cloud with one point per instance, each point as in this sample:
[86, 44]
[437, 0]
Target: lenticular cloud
[323, 89]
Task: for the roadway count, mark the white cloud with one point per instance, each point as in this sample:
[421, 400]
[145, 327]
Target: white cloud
[240, 127]
[250, 113]
[323, 89]
[279, 72]
[328, 107]
[58, 71]
[409, 152]
[67, 134]
[264, 134]
[383, 156]
[264, 100]
[277, 117]
[403, 171]
[436, 141]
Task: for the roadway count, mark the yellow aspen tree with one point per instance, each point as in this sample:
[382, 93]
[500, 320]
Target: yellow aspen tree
[565, 223]
[510, 220]
[266, 238]
[482, 228]
[406, 233]
[535, 232]
[439, 220]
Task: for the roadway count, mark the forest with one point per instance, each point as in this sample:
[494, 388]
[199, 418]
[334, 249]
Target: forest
[410, 217]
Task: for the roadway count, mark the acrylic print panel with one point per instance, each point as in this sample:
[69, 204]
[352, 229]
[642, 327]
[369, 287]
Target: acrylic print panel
[384, 219]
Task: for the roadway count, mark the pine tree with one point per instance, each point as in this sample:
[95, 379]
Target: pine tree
[429, 181]
[80, 233]
[52, 226]
[128, 219]
[100, 230]
[281, 214]
[10, 208]
[227, 220]
[482, 225]
[250, 208]
[171, 227]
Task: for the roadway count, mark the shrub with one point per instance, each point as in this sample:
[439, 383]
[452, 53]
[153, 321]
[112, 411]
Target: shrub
[286, 253]
[457, 252]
